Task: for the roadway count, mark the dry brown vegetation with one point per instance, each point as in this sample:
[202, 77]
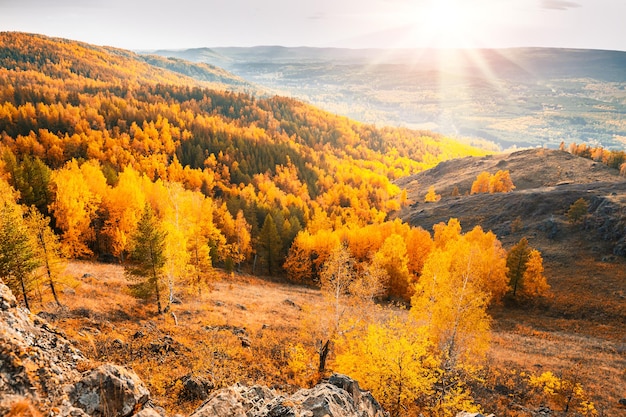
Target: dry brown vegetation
[108, 324]
[243, 330]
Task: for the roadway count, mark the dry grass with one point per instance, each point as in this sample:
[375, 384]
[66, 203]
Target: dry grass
[23, 408]
[203, 335]
[108, 324]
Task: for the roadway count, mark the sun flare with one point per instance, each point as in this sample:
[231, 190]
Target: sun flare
[446, 24]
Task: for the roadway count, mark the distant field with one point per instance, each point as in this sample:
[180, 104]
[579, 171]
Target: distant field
[513, 97]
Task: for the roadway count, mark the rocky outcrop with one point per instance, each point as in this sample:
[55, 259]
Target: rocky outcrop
[339, 397]
[36, 362]
[195, 387]
[109, 390]
[38, 369]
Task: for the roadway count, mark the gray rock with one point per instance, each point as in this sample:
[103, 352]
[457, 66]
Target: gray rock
[36, 362]
[340, 397]
[196, 387]
[466, 414]
[543, 411]
[148, 412]
[68, 410]
[109, 391]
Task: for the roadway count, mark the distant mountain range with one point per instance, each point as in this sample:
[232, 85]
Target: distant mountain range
[512, 97]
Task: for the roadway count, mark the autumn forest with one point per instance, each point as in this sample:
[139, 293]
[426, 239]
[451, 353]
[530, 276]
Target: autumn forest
[107, 158]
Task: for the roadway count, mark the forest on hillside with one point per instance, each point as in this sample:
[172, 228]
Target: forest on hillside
[76, 113]
[104, 156]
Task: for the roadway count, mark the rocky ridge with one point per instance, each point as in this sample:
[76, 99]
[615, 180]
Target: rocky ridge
[547, 183]
[39, 367]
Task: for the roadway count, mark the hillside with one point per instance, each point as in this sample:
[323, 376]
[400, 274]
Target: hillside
[71, 60]
[512, 97]
[245, 330]
[577, 257]
[65, 100]
[546, 183]
[39, 371]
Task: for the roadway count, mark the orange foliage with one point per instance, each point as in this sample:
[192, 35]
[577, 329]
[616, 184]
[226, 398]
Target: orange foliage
[23, 408]
[500, 182]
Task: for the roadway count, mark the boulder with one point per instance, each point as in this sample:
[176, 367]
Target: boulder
[339, 397]
[109, 391]
[196, 387]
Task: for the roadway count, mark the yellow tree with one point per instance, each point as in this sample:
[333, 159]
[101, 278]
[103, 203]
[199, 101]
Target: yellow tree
[336, 277]
[74, 208]
[481, 184]
[243, 248]
[501, 182]
[452, 307]
[123, 204]
[534, 282]
[176, 224]
[371, 284]
[393, 258]
[391, 359]
[202, 232]
[419, 243]
[454, 313]
[237, 246]
[461, 276]
[489, 267]
[446, 233]
[299, 263]
[431, 195]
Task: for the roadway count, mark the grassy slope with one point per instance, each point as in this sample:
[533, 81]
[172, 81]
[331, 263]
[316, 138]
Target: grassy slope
[103, 320]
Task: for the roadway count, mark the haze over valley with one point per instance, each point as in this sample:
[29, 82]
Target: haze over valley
[517, 97]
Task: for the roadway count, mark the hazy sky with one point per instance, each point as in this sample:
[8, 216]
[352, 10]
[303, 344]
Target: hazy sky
[154, 24]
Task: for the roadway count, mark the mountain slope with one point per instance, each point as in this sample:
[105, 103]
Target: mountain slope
[70, 60]
[63, 100]
[583, 262]
[547, 182]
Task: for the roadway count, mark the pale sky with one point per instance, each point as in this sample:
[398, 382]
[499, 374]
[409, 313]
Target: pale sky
[166, 24]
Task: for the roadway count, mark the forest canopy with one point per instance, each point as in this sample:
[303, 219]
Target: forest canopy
[90, 134]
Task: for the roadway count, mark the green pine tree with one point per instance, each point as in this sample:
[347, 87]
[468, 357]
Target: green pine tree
[48, 249]
[270, 245]
[516, 261]
[147, 258]
[577, 211]
[18, 257]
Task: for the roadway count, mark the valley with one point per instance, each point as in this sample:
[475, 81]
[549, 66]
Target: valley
[520, 97]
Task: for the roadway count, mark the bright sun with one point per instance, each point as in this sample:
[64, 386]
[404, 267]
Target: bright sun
[445, 23]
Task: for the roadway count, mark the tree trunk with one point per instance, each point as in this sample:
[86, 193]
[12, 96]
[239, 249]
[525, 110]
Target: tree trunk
[54, 293]
[49, 273]
[323, 354]
[24, 293]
